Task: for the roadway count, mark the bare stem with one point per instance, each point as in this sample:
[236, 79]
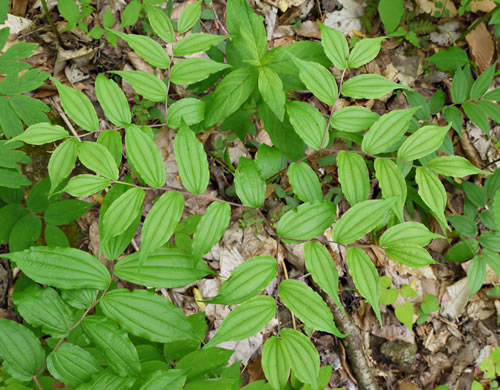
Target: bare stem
[52, 25]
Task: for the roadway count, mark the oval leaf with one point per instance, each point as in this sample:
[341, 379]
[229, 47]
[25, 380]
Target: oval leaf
[353, 177]
[189, 17]
[145, 84]
[305, 182]
[41, 134]
[112, 100]
[318, 80]
[198, 42]
[432, 192]
[146, 48]
[369, 86]
[309, 124]
[335, 46]
[191, 110]
[85, 185]
[423, 142]
[249, 184]
[411, 233]
[392, 183]
[364, 51]
[160, 23]
[72, 365]
[97, 158]
[192, 70]
[62, 162]
[410, 255]
[454, 166]
[353, 119]
[275, 363]
[211, 228]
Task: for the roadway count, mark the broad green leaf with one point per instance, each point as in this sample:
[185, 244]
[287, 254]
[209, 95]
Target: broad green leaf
[160, 23]
[365, 277]
[432, 192]
[230, 94]
[41, 133]
[247, 280]
[172, 379]
[131, 13]
[62, 162]
[418, 100]
[25, 232]
[85, 185]
[496, 208]
[121, 355]
[364, 51]
[478, 115]
[307, 221]
[386, 133]
[160, 223]
[245, 320]
[72, 365]
[9, 215]
[271, 90]
[369, 86]
[449, 59]
[424, 141]
[147, 48]
[309, 124]
[163, 268]
[407, 233]
[463, 224]
[203, 361]
[462, 251]
[80, 298]
[410, 255]
[145, 84]
[404, 313]
[275, 363]
[476, 274]
[249, 184]
[65, 211]
[189, 17]
[211, 228]
[454, 166]
[482, 83]
[390, 12]
[97, 158]
[147, 315]
[361, 219]
[318, 80]
[77, 106]
[192, 70]
[107, 379]
[320, 264]
[335, 46]
[61, 267]
[191, 160]
[112, 100]
[269, 160]
[494, 94]
[305, 182]
[353, 177]
[492, 184]
[453, 115]
[54, 236]
[198, 42]
[392, 183]
[459, 87]
[70, 11]
[491, 109]
[12, 179]
[353, 119]
[20, 350]
[303, 356]
[112, 140]
[308, 306]
[492, 258]
[145, 156]
[475, 194]
[490, 240]
[191, 110]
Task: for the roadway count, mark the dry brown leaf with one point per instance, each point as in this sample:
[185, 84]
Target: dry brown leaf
[481, 46]
[309, 29]
[482, 5]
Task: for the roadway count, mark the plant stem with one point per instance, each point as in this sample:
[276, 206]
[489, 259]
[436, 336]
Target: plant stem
[52, 25]
[477, 23]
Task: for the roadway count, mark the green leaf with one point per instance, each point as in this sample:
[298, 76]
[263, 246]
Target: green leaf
[189, 17]
[407, 233]
[77, 106]
[230, 94]
[112, 140]
[454, 166]
[493, 95]
[490, 240]
[353, 119]
[453, 115]
[41, 133]
[459, 87]
[309, 123]
[423, 142]
[12, 179]
[203, 361]
[305, 182]
[491, 109]
[365, 277]
[147, 48]
[69, 10]
[476, 274]
[20, 350]
[307, 221]
[192, 70]
[364, 51]
[386, 133]
[191, 110]
[335, 46]
[271, 89]
[79, 298]
[9, 215]
[449, 59]
[97, 158]
[275, 363]
[390, 12]
[145, 84]
[10, 123]
[112, 100]
[492, 258]
[160, 23]
[404, 313]
[131, 13]
[163, 268]
[392, 183]
[270, 160]
[462, 251]
[62, 162]
[475, 194]
[482, 83]
[108, 19]
[25, 232]
[369, 86]
[71, 364]
[211, 228]
[432, 192]
[191, 160]
[114, 343]
[106, 379]
[247, 280]
[492, 184]
[410, 255]
[198, 42]
[303, 356]
[464, 225]
[61, 267]
[308, 306]
[145, 156]
[361, 219]
[245, 320]
[478, 115]
[318, 80]
[54, 236]
[85, 185]
[65, 211]
[172, 379]
[353, 177]
[147, 315]
[249, 184]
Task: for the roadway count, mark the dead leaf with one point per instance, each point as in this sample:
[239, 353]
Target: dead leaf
[481, 46]
[482, 5]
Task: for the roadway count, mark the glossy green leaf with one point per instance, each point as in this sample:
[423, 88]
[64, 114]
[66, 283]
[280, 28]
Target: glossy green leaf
[369, 86]
[305, 182]
[198, 42]
[392, 183]
[191, 160]
[160, 23]
[249, 184]
[189, 17]
[62, 162]
[364, 51]
[71, 364]
[353, 119]
[318, 80]
[361, 219]
[307, 221]
[482, 83]
[353, 177]
[454, 166]
[432, 192]
[245, 320]
[61, 267]
[247, 280]
[211, 228]
[365, 277]
[476, 274]
[145, 84]
[335, 46]
[145, 157]
[275, 363]
[191, 110]
[308, 123]
[41, 133]
[146, 315]
[147, 48]
[410, 255]
[85, 185]
[407, 233]
[112, 100]
[97, 158]
[192, 70]
[271, 89]
[424, 141]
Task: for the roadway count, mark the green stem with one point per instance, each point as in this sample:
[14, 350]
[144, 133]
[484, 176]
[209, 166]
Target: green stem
[477, 23]
[52, 25]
